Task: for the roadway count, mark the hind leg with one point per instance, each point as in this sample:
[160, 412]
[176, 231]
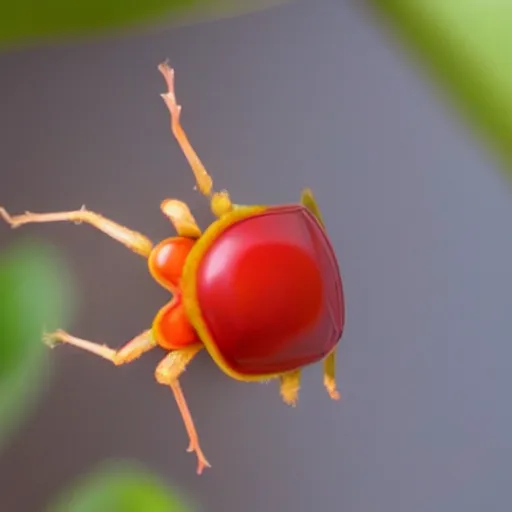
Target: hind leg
[289, 387]
[330, 375]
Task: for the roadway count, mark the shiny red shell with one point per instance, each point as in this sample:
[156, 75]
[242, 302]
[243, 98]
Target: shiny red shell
[270, 292]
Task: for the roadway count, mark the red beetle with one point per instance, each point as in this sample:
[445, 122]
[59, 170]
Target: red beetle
[260, 288]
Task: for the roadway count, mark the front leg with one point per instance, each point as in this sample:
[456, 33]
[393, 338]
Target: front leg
[181, 218]
[135, 241]
[168, 373]
[220, 201]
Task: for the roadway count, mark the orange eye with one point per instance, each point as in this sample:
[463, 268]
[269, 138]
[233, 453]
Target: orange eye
[167, 260]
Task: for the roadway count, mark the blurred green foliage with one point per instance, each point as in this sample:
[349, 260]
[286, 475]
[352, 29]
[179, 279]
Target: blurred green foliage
[34, 292]
[468, 45]
[30, 19]
[33, 20]
[119, 487]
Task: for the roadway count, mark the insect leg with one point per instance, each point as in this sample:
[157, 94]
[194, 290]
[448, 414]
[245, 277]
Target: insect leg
[290, 385]
[168, 373]
[220, 201]
[126, 354]
[308, 200]
[203, 179]
[181, 218]
[330, 375]
[132, 239]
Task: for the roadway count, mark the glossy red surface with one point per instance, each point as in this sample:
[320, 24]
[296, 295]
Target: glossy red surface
[270, 292]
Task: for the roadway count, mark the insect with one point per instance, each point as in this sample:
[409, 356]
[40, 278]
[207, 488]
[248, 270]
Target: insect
[259, 289]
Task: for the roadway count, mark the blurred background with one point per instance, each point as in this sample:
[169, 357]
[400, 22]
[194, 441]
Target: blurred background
[315, 94]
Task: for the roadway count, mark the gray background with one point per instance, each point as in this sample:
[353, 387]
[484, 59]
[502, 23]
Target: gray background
[313, 94]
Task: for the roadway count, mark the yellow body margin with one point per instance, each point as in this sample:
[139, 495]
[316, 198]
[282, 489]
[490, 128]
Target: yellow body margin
[189, 287]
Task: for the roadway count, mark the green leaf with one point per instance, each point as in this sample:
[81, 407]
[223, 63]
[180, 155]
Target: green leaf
[32, 20]
[467, 44]
[33, 294]
[120, 487]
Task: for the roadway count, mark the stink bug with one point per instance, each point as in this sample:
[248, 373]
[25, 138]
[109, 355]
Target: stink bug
[259, 289]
